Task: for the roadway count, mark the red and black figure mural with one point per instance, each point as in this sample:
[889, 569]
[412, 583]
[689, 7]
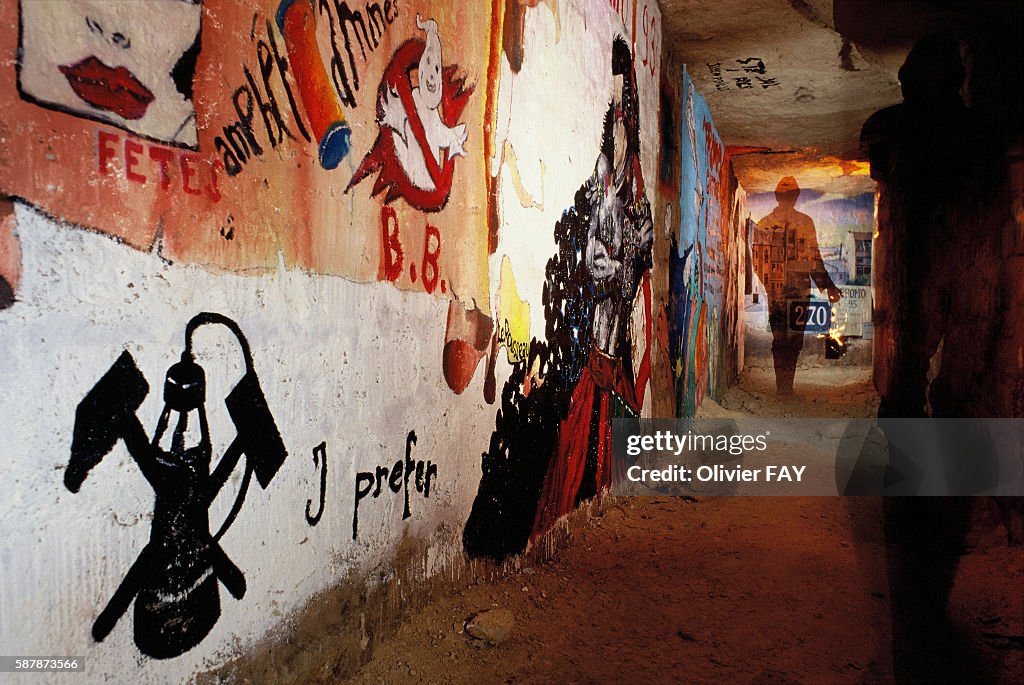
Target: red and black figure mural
[419, 103]
[551, 448]
[174, 581]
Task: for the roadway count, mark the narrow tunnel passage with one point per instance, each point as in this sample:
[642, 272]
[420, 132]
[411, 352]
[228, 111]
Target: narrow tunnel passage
[713, 590]
[331, 331]
[765, 591]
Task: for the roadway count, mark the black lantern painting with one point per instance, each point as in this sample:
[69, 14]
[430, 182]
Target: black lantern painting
[174, 583]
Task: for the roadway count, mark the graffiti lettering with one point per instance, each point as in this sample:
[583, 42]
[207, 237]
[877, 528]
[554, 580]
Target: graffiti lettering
[651, 37]
[276, 128]
[620, 7]
[751, 65]
[431, 251]
[168, 167]
[347, 24]
[715, 69]
[397, 479]
[319, 459]
[392, 256]
[750, 72]
[237, 143]
[518, 349]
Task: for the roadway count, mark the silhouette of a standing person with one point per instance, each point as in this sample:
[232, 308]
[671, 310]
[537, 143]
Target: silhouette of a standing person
[790, 242]
[940, 171]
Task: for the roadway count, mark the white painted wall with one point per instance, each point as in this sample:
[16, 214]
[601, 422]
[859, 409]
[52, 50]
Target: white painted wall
[356, 365]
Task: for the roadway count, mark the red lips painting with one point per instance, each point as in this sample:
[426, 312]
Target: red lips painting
[115, 90]
[114, 64]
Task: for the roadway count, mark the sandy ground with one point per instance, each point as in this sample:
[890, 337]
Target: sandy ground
[720, 590]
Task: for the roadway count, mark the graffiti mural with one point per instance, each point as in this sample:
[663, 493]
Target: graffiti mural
[688, 273]
[243, 139]
[325, 173]
[616, 258]
[320, 463]
[174, 583]
[395, 478]
[285, 90]
[113, 64]
[704, 299]
[748, 73]
[788, 242]
[551, 445]
[467, 337]
[420, 137]
[333, 134]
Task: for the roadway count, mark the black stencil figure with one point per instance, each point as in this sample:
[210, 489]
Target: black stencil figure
[174, 581]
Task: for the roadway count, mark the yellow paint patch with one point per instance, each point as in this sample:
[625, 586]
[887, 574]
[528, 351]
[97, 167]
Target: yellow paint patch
[513, 316]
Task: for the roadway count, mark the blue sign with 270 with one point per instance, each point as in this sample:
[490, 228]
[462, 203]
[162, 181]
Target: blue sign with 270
[809, 316]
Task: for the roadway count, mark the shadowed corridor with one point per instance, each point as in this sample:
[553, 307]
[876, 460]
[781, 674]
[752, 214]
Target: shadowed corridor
[750, 590]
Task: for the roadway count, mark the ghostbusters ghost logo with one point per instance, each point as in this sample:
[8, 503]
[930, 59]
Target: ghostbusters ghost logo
[420, 137]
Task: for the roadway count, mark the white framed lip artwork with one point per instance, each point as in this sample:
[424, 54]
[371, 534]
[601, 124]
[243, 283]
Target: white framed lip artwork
[112, 63]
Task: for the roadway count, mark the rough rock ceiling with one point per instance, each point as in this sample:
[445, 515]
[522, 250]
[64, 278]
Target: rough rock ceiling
[799, 77]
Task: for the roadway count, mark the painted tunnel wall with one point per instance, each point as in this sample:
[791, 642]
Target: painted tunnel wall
[237, 230]
[707, 262]
[839, 221]
[844, 227]
[573, 311]
[286, 287]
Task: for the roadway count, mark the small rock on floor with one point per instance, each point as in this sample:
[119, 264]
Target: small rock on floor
[493, 626]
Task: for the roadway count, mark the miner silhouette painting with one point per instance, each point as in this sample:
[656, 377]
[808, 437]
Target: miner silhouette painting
[788, 243]
[174, 583]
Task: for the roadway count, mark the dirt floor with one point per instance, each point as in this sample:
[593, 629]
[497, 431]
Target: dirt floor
[721, 590]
